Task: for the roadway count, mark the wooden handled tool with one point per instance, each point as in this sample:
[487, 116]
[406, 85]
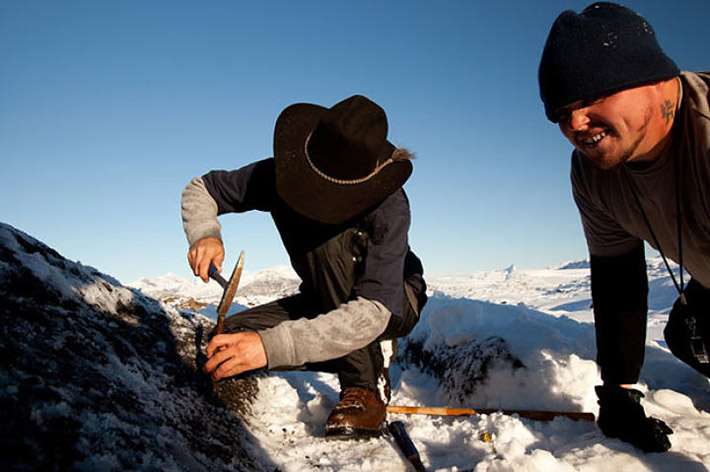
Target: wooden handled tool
[530, 414]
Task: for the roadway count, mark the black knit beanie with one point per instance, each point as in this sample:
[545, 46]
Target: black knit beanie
[604, 49]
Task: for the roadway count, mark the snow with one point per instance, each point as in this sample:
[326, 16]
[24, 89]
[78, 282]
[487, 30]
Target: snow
[545, 318]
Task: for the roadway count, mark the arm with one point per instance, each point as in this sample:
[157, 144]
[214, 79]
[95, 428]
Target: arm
[382, 277]
[351, 326]
[199, 212]
[619, 295]
[618, 270]
[216, 193]
[199, 220]
[619, 291]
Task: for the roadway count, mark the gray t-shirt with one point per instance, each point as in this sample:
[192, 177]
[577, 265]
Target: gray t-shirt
[613, 223]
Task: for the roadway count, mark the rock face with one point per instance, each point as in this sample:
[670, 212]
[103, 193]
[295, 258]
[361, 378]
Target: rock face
[97, 376]
[460, 369]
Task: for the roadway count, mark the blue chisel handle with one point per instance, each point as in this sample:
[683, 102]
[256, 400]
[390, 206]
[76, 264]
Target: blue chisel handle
[406, 445]
[215, 275]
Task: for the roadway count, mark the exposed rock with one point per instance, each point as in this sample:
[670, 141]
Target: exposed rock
[97, 376]
[462, 368]
[187, 303]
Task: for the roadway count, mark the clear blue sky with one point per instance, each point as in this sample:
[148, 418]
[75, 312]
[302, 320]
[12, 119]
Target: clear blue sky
[108, 108]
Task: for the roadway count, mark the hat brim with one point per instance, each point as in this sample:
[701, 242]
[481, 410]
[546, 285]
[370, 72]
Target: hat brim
[310, 194]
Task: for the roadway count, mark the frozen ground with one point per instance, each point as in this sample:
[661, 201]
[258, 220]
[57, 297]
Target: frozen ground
[545, 318]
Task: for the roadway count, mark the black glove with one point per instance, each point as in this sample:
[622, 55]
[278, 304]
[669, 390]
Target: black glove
[622, 416]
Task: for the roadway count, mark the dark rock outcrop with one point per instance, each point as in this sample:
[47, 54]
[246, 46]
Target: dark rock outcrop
[460, 369]
[97, 376]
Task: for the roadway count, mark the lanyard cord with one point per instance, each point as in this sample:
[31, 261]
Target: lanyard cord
[676, 166]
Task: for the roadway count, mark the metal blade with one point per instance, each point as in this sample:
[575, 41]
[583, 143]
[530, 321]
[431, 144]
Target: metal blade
[229, 292]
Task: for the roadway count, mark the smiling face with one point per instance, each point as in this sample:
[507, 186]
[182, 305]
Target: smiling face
[626, 126]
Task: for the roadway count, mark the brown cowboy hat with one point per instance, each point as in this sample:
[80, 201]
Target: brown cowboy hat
[334, 163]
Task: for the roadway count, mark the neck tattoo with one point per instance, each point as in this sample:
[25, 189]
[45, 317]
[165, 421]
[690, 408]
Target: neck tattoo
[668, 110]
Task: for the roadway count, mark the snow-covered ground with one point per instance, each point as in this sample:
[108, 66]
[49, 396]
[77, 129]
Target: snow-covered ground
[545, 318]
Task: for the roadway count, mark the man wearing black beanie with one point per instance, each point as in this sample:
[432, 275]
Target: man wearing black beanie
[640, 172]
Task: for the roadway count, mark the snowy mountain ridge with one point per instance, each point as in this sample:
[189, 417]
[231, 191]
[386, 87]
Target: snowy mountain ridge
[255, 287]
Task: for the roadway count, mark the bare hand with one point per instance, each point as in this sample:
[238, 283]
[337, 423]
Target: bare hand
[232, 354]
[203, 252]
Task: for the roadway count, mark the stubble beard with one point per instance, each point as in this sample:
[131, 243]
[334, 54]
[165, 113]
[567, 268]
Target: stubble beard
[630, 151]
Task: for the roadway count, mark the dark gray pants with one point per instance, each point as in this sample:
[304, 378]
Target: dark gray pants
[333, 267]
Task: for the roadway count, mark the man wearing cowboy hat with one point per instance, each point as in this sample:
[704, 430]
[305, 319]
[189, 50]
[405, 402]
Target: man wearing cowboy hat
[640, 171]
[334, 191]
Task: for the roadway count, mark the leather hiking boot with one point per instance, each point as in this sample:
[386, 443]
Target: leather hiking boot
[359, 414]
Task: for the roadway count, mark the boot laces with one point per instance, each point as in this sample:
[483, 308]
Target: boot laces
[352, 398]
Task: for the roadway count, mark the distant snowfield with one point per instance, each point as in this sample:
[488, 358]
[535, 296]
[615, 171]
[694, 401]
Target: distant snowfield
[546, 320]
